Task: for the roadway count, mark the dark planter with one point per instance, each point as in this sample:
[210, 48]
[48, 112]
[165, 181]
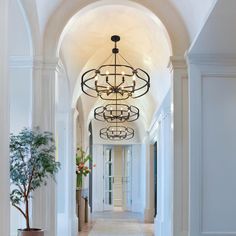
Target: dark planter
[78, 203]
[33, 232]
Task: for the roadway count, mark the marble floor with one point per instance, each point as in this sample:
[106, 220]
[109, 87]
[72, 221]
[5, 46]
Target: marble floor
[117, 224]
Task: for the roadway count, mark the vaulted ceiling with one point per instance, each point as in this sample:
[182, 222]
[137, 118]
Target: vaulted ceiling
[144, 41]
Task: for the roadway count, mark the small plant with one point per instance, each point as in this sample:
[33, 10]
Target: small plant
[81, 168]
[32, 162]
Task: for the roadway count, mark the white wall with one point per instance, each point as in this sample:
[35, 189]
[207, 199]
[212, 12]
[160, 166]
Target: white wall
[20, 73]
[138, 179]
[98, 178]
[218, 154]
[66, 218]
[212, 147]
[4, 121]
[161, 133]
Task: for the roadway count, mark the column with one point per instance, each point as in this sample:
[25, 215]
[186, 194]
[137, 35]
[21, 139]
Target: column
[4, 122]
[149, 198]
[179, 125]
[74, 124]
[44, 202]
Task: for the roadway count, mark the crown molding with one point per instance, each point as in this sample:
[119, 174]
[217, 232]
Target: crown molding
[177, 62]
[217, 59]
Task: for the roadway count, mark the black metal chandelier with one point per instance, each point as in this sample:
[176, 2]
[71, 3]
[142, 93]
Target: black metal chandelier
[116, 113]
[115, 80]
[117, 133]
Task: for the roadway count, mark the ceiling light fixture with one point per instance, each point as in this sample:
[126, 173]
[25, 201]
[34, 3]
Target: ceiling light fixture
[115, 79]
[117, 133]
[116, 113]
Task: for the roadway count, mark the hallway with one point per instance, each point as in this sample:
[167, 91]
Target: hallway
[117, 224]
[117, 104]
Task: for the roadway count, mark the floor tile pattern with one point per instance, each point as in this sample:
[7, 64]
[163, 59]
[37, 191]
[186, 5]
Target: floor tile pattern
[117, 224]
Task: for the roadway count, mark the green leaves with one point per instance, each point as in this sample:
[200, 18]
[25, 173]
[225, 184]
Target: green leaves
[32, 162]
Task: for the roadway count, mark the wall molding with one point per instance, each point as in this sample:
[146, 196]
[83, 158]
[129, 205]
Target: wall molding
[218, 59]
[214, 64]
[29, 62]
[201, 66]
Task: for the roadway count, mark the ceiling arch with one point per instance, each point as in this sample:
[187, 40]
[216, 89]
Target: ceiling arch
[144, 43]
[163, 10]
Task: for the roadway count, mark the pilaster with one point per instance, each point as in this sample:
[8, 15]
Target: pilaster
[149, 201]
[179, 126]
[4, 121]
[44, 213]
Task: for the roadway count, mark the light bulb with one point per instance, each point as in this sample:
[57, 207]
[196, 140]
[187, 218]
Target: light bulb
[107, 72]
[134, 77]
[123, 73]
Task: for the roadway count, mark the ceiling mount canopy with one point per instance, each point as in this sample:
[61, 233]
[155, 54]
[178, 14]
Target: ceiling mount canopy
[117, 133]
[116, 78]
[116, 113]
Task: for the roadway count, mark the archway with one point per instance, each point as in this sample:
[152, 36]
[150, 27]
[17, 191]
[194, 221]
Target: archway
[57, 30]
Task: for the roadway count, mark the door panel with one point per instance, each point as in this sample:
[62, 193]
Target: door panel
[108, 178]
[127, 174]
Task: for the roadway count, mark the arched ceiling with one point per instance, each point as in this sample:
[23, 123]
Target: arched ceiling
[193, 12]
[144, 43]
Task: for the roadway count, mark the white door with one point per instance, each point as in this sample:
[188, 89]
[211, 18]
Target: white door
[108, 178]
[127, 178]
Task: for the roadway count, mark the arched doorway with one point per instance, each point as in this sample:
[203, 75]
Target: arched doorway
[59, 30]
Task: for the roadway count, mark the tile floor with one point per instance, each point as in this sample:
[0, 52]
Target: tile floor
[117, 224]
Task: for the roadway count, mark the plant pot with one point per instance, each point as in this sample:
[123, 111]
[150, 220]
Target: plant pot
[78, 203]
[32, 232]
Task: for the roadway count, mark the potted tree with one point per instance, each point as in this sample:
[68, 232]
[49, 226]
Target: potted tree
[32, 162]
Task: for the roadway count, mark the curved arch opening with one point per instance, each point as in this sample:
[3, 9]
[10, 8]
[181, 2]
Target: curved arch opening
[84, 42]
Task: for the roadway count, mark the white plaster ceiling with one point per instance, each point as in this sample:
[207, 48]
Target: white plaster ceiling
[193, 12]
[218, 36]
[144, 43]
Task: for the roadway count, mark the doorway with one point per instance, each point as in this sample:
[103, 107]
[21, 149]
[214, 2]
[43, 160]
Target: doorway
[117, 178]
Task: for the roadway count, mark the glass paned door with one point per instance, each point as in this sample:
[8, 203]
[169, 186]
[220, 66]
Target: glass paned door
[108, 178]
[127, 175]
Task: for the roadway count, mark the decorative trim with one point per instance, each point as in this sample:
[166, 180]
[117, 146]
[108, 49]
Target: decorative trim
[28, 62]
[177, 63]
[217, 59]
[219, 65]
[218, 233]
[23, 62]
